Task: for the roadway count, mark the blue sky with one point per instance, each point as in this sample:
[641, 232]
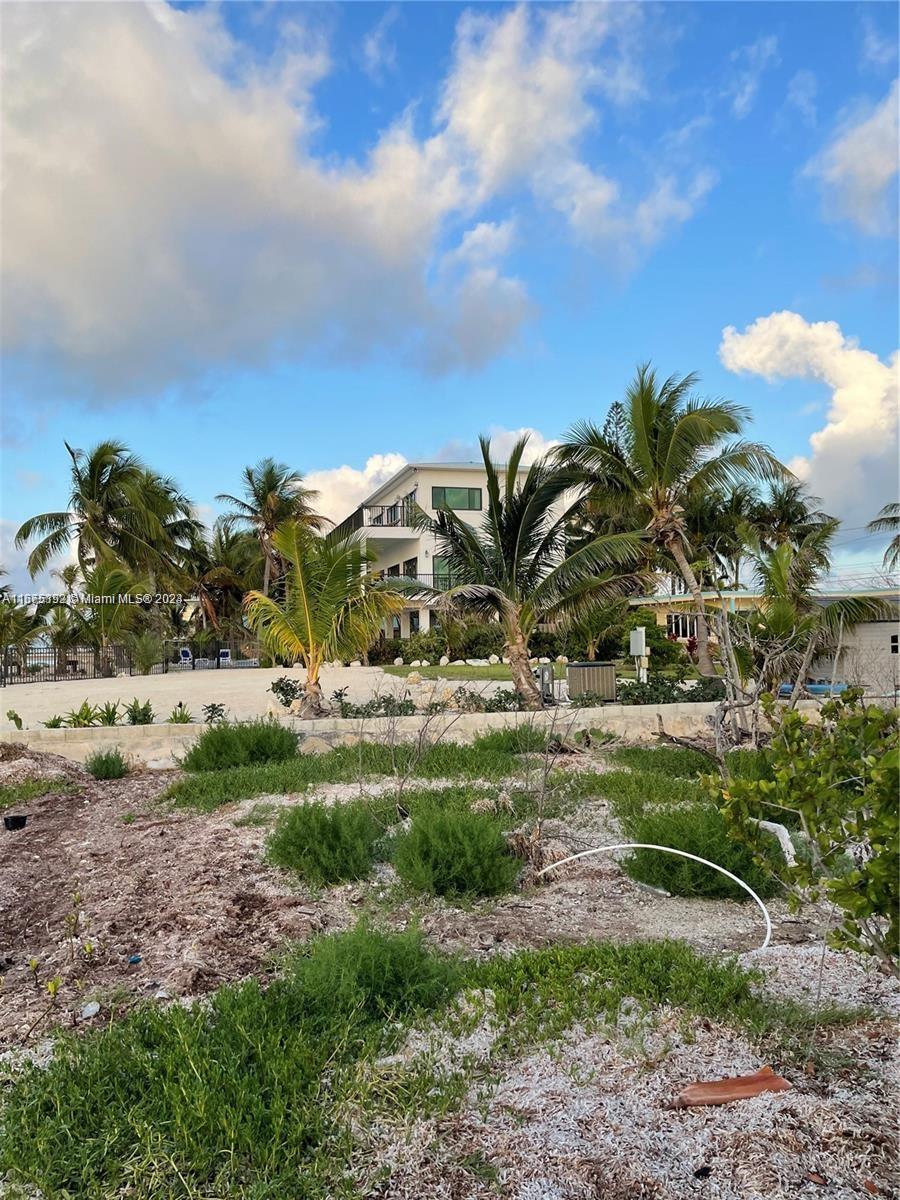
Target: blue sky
[343, 234]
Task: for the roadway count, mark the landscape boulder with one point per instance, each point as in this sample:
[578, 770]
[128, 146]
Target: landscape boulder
[398, 661]
[493, 659]
[444, 660]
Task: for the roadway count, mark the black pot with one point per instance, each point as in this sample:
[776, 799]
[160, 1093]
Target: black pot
[16, 822]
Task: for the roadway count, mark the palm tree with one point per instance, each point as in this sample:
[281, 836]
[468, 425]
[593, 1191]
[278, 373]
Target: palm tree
[515, 567]
[332, 606]
[273, 496]
[673, 447]
[789, 627]
[107, 610]
[215, 569]
[888, 521]
[604, 622]
[787, 513]
[117, 510]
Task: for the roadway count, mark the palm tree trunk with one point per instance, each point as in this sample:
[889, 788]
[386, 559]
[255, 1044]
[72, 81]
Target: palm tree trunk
[267, 570]
[520, 669]
[704, 660]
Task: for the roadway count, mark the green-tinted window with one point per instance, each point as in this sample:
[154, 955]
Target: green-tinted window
[464, 499]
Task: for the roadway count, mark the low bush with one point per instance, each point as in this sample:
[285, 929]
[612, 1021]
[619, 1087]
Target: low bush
[325, 845]
[503, 700]
[589, 700]
[286, 690]
[379, 706]
[139, 714]
[521, 739]
[108, 713]
[698, 828]
[107, 764]
[180, 714]
[242, 743]
[84, 717]
[455, 854]
[660, 690]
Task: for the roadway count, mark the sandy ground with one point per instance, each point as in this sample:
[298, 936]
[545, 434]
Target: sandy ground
[244, 692]
[191, 894]
[105, 873]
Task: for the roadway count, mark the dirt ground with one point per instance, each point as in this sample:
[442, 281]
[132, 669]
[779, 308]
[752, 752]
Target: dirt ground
[105, 875]
[122, 898]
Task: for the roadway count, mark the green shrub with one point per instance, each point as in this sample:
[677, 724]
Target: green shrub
[107, 764]
[430, 645]
[180, 714]
[54, 722]
[455, 854]
[139, 714]
[240, 744]
[286, 690]
[838, 778]
[698, 828]
[481, 639]
[325, 845]
[521, 739]
[372, 974]
[108, 713]
[705, 691]
[83, 717]
[379, 706]
[589, 700]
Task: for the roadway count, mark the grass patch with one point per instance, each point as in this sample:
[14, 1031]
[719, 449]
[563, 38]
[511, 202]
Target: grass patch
[455, 854]
[521, 739]
[30, 789]
[107, 764]
[325, 844]
[474, 674]
[209, 789]
[224, 1099]
[243, 743]
[666, 760]
[259, 814]
[252, 1094]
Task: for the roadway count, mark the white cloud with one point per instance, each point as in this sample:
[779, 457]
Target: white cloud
[518, 102]
[502, 442]
[853, 459]
[342, 489]
[379, 53]
[166, 212]
[801, 96]
[877, 51]
[857, 170]
[749, 64]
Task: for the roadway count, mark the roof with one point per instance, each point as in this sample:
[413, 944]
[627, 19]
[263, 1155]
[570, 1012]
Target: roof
[412, 467]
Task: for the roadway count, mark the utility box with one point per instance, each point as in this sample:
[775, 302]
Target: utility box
[597, 677]
[543, 676]
[637, 645]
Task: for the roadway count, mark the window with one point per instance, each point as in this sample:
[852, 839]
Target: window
[681, 625]
[441, 572]
[394, 571]
[895, 648]
[411, 568]
[458, 498]
[413, 622]
[395, 627]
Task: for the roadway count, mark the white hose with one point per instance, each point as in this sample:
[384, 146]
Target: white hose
[668, 850]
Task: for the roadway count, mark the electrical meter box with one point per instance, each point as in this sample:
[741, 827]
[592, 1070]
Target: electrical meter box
[638, 642]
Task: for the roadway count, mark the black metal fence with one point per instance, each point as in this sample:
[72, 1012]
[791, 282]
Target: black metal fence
[50, 664]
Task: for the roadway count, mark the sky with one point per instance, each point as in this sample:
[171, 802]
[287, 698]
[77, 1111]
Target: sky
[350, 236]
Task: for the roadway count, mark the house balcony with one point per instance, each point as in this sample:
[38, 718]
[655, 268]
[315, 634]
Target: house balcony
[388, 521]
[438, 583]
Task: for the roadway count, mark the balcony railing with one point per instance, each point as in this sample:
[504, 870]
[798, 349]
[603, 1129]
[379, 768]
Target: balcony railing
[376, 516]
[439, 583]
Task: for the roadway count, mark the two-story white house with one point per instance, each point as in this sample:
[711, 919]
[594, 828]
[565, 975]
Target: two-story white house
[385, 520]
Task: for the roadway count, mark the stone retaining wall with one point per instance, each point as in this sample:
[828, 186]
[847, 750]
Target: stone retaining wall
[159, 746]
